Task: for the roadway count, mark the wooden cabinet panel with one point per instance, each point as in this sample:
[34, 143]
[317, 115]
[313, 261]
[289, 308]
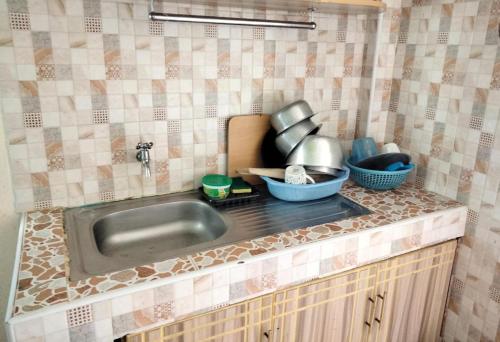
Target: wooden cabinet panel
[246, 321]
[259, 319]
[226, 325]
[411, 295]
[331, 309]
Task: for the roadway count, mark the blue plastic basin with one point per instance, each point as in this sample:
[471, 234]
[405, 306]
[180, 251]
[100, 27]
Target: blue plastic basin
[305, 192]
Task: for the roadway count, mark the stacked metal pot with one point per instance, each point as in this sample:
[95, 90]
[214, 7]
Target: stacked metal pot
[300, 145]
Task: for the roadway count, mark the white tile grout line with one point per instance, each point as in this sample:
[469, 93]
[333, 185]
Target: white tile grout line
[189, 275]
[15, 274]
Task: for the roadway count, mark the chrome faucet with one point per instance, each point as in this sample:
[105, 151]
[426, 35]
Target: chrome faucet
[143, 157]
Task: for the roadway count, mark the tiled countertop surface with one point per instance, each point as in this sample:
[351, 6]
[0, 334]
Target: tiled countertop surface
[42, 277]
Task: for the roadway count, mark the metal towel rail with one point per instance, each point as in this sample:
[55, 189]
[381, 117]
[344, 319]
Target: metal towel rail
[158, 16]
[311, 25]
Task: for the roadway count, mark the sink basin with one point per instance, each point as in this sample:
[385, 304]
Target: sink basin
[142, 232]
[115, 236]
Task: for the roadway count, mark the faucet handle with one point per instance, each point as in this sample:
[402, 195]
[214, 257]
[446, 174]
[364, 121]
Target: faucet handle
[144, 146]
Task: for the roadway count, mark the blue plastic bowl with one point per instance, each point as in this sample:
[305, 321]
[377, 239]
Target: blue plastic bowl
[305, 192]
[363, 148]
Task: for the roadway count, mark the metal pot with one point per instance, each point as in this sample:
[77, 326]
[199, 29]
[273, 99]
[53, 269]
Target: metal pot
[326, 170]
[290, 115]
[318, 151]
[289, 139]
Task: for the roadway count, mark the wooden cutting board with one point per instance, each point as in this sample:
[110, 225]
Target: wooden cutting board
[244, 140]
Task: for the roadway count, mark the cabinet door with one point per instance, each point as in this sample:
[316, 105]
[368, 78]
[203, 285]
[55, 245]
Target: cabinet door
[247, 321]
[331, 309]
[411, 295]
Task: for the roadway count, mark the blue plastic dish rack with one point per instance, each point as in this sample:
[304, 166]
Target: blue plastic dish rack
[378, 180]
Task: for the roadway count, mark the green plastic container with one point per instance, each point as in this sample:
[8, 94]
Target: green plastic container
[216, 186]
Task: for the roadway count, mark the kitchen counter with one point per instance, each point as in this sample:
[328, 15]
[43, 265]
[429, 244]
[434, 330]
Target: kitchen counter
[401, 220]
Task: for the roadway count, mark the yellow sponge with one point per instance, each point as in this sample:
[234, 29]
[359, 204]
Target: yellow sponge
[239, 186]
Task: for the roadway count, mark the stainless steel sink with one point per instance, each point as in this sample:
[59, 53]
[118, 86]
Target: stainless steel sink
[114, 236]
[135, 232]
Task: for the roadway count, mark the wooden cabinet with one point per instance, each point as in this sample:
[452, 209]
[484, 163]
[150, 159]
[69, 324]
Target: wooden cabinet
[400, 299]
[246, 321]
[330, 309]
[411, 295]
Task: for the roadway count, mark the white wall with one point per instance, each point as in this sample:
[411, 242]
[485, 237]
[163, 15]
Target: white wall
[8, 229]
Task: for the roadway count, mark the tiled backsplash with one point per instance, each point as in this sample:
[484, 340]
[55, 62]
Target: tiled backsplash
[445, 110]
[82, 82]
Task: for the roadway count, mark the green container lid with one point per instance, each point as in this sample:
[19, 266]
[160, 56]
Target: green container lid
[216, 180]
